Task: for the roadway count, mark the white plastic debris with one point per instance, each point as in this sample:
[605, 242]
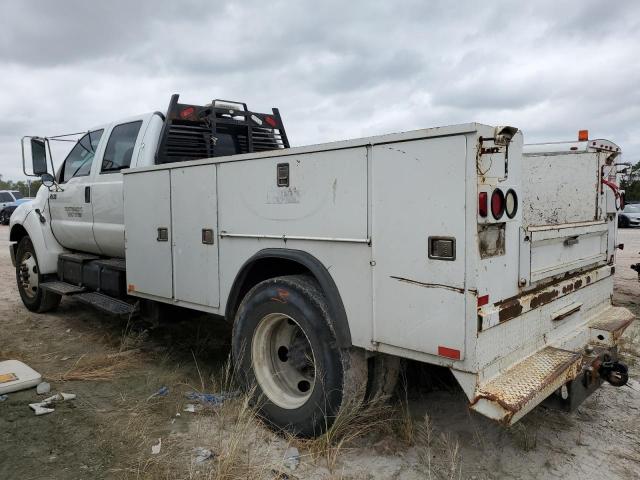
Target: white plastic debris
[155, 449]
[291, 458]
[191, 408]
[202, 454]
[44, 407]
[43, 388]
[40, 409]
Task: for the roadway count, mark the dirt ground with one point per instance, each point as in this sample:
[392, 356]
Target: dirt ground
[114, 369]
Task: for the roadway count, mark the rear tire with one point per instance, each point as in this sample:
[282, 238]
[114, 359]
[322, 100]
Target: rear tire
[384, 372]
[286, 355]
[28, 278]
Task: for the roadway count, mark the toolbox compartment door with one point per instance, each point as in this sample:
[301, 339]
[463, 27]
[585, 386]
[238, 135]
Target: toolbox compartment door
[553, 250]
[147, 219]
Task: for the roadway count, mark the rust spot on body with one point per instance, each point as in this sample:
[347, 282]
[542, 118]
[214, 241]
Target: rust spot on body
[510, 310]
[543, 298]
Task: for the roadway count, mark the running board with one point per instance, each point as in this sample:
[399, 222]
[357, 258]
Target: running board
[62, 288]
[514, 393]
[106, 304]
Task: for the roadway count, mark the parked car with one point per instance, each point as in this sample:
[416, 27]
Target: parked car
[630, 216]
[8, 208]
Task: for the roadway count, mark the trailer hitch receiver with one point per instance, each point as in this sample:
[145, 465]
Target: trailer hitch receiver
[616, 373]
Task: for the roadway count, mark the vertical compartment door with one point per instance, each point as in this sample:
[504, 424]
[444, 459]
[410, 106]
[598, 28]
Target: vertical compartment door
[195, 235]
[147, 220]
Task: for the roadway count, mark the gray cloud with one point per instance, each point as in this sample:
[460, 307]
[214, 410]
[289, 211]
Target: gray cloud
[335, 69]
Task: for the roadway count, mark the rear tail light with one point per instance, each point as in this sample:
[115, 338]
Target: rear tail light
[482, 204]
[497, 204]
[511, 203]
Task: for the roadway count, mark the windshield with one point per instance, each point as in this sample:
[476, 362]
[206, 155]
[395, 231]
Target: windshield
[632, 208]
[17, 195]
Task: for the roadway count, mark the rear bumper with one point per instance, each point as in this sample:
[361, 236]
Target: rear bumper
[516, 391]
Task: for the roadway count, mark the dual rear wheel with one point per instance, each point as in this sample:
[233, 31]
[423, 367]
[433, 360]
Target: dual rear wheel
[287, 356]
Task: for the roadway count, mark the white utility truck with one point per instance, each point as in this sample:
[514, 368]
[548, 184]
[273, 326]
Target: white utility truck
[444, 245]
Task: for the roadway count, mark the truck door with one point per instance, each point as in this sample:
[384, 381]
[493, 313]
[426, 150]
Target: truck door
[70, 206]
[106, 189]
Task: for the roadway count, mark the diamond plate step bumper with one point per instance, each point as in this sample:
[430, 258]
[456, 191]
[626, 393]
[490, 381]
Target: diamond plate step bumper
[513, 394]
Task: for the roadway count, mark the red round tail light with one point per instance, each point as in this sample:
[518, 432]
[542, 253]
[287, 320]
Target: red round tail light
[497, 204]
[482, 204]
[511, 203]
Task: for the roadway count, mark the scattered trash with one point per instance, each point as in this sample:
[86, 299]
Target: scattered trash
[212, 399]
[155, 449]
[43, 388]
[3, 397]
[39, 409]
[278, 475]
[202, 454]
[192, 408]
[68, 330]
[291, 458]
[44, 407]
[163, 392]
[15, 375]
[64, 359]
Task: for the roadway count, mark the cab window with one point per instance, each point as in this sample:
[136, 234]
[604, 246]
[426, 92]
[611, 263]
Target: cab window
[78, 162]
[17, 195]
[5, 197]
[119, 149]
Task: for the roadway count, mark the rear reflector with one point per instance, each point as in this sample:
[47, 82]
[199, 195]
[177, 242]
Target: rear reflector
[483, 300]
[482, 204]
[448, 352]
[583, 135]
[497, 204]
[270, 121]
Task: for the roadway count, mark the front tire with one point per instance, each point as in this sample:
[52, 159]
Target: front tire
[28, 278]
[286, 354]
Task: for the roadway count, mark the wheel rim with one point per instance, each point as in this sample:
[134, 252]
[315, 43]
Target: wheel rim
[283, 361]
[29, 275]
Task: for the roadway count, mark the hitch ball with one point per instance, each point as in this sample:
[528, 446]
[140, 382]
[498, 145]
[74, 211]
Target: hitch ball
[616, 373]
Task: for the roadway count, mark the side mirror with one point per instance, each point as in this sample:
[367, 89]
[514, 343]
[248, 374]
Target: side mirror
[48, 180]
[38, 156]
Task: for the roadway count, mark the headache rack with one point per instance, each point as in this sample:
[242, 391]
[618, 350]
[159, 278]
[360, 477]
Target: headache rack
[192, 132]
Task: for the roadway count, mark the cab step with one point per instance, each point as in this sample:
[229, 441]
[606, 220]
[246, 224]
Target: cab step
[106, 304]
[62, 288]
[512, 394]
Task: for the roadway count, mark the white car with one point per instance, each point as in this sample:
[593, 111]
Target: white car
[9, 196]
[630, 216]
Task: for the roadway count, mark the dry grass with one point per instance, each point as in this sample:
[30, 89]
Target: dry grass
[98, 367]
[355, 421]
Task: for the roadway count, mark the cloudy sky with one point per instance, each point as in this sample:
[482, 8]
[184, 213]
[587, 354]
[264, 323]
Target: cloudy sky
[336, 69]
